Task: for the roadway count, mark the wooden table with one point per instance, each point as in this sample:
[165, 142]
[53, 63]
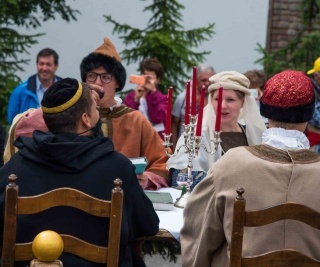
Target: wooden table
[162, 235]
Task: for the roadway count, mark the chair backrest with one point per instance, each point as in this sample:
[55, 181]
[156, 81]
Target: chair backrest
[14, 205]
[285, 211]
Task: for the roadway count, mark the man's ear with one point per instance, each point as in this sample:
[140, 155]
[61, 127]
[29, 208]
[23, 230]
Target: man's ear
[85, 118]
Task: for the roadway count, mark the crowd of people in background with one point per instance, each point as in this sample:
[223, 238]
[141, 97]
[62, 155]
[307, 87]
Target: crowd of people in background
[70, 127]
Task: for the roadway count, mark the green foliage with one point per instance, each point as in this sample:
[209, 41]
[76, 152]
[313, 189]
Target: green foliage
[167, 249]
[28, 14]
[11, 44]
[31, 13]
[164, 38]
[302, 50]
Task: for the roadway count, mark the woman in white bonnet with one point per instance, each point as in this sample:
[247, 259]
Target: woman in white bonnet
[241, 124]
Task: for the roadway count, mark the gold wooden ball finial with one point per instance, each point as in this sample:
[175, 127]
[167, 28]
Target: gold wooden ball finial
[47, 247]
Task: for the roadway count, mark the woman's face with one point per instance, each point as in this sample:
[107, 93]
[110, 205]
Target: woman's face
[230, 108]
[109, 88]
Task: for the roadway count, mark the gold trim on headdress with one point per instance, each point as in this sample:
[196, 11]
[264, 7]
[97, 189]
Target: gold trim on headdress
[66, 105]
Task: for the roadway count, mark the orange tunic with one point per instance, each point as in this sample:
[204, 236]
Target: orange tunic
[134, 136]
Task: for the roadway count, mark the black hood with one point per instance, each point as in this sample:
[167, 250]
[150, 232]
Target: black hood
[64, 152]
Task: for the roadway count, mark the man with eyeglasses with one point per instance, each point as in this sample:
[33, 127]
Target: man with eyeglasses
[130, 131]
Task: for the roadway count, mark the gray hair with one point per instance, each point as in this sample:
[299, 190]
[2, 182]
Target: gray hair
[205, 68]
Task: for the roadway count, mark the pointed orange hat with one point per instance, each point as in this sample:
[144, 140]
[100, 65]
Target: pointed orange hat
[108, 49]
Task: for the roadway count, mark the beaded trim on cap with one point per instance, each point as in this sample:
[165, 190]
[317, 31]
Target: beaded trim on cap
[66, 105]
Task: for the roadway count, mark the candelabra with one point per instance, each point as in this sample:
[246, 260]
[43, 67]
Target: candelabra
[192, 144]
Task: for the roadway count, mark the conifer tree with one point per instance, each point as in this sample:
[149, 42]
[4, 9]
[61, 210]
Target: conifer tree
[301, 51]
[165, 38]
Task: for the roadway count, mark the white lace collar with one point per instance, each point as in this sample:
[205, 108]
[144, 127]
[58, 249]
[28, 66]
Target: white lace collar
[118, 101]
[285, 139]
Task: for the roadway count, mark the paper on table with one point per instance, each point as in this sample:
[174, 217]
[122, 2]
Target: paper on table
[172, 220]
[160, 200]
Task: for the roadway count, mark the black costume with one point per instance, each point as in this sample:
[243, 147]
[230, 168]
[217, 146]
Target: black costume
[48, 161]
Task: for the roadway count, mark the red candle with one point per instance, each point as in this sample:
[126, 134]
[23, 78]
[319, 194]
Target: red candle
[200, 115]
[187, 110]
[218, 114]
[194, 91]
[169, 107]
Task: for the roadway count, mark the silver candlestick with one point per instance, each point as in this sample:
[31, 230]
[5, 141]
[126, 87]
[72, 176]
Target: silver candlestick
[192, 144]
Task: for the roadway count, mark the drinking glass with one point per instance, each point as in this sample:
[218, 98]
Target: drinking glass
[182, 180]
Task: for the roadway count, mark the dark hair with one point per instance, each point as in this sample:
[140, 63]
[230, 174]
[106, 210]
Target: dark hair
[46, 52]
[67, 121]
[152, 64]
[257, 78]
[112, 66]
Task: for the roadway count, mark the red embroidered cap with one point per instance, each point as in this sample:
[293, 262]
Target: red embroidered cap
[288, 97]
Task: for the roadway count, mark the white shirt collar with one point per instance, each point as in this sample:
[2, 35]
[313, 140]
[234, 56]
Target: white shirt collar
[118, 101]
[39, 85]
[285, 139]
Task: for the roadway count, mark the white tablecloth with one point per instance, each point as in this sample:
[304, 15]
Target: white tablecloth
[171, 220]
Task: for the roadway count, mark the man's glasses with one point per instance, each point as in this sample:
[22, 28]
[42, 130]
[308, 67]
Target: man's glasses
[104, 77]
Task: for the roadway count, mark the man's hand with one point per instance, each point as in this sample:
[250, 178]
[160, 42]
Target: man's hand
[98, 89]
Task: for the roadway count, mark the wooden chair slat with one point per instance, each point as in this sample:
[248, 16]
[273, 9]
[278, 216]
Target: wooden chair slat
[63, 196]
[285, 211]
[23, 251]
[84, 249]
[286, 257]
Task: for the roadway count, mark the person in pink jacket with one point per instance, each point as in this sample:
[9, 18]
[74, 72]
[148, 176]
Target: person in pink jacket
[147, 98]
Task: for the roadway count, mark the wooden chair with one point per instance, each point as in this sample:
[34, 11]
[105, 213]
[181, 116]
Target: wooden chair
[15, 205]
[285, 211]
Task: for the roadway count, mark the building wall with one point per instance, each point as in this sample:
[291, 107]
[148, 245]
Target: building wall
[283, 23]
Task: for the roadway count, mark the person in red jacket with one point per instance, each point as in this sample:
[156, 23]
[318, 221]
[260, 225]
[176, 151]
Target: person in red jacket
[147, 98]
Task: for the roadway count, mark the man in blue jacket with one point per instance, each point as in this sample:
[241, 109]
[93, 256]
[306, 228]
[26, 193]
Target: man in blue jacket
[29, 93]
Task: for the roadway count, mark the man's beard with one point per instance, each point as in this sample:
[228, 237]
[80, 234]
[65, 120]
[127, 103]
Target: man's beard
[96, 130]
